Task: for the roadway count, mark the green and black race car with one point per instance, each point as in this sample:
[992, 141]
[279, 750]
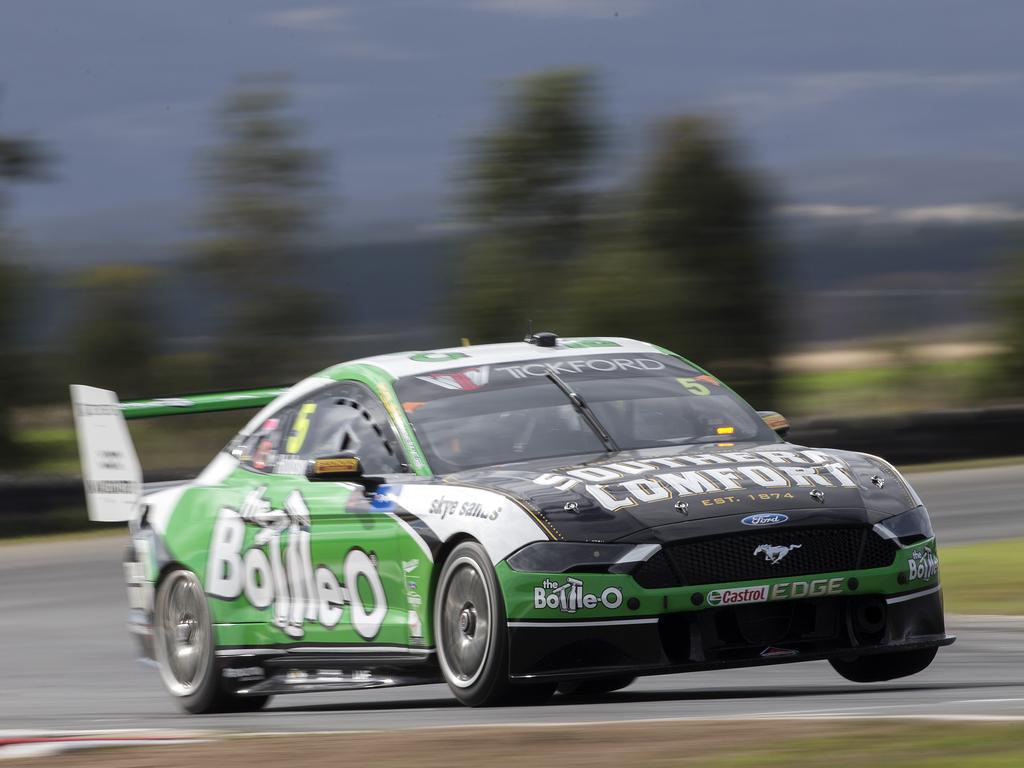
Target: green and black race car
[512, 519]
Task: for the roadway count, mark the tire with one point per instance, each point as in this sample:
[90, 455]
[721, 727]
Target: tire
[596, 687]
[185, 650]
[885, 666]
[470, 629]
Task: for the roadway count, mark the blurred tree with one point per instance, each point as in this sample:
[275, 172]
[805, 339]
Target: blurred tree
[115, 338]
[1010, 380]
[705, 215]
[261, 187]
[21, 160]
[620, 289]
[683, 260]
[526, 196]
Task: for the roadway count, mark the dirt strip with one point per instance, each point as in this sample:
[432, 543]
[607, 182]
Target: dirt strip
[831, 743]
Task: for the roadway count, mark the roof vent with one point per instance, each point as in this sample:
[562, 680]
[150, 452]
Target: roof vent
[542, 339]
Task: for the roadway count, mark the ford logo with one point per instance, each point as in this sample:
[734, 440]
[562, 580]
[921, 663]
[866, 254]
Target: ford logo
[764, 519]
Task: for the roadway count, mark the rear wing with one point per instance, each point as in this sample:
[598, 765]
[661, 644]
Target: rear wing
[111, 471]
[202, 403]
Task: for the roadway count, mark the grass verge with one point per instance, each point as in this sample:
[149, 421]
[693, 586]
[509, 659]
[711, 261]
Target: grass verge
[924, 385]
[832, 743]
[983, 578]
[906, 744]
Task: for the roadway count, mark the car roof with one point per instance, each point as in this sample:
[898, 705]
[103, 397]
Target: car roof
[399, 364]
[413, 362]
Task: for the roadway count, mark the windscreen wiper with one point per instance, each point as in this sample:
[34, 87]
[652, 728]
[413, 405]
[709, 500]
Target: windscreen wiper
[584, 410]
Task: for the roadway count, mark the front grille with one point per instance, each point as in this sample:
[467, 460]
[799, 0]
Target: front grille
[730, 558]
[657, 573]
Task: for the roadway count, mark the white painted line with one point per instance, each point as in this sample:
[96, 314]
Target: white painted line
[982, 619]
[954, 718]
[205, 736]
[28, 750]
[766, 717]
[51, 748]
[844, 711]
[185, 737]
[143, 733]
[987, 701]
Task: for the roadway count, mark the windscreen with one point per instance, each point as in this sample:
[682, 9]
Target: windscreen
[497, 414]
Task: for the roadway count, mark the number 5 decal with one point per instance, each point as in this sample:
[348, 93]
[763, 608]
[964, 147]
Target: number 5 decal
[694, 387]
[300, 429]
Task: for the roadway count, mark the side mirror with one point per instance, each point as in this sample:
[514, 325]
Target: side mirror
[341, 468]
[778, 422]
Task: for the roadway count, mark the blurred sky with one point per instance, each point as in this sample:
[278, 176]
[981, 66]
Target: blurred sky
[881, 105]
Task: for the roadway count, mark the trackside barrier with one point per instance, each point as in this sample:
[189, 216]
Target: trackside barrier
[42, 504]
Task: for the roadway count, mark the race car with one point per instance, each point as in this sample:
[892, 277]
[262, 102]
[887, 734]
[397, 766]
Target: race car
[515, 519]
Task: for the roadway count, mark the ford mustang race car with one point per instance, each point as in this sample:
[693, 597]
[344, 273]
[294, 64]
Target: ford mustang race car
[511, 519]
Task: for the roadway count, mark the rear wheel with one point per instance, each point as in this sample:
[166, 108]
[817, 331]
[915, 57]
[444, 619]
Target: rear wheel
[883, 666]
[470, 629]
[185, 649]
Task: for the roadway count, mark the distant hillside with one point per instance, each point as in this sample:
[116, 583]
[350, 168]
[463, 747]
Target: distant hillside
[847, 282]
[835, 282]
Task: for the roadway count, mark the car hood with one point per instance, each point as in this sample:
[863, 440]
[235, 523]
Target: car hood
[614, 496]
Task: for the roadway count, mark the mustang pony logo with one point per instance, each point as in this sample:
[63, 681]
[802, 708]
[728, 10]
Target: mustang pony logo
[773, 554]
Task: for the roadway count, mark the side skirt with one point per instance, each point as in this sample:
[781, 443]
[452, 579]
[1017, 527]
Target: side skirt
[270, 671]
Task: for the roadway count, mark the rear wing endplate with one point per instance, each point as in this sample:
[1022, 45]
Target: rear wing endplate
[110, 466]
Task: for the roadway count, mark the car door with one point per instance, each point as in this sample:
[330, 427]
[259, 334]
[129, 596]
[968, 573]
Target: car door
[292, 561]
[249, 574]
[354, 544]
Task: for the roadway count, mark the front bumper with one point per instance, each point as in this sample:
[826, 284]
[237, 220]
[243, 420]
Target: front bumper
[731, 636]
[587, 624]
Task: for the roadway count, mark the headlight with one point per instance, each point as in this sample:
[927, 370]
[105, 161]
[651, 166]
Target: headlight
[561, 557]
[910, 527]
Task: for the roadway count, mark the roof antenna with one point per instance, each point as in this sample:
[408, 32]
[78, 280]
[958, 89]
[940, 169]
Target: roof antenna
[541, 339]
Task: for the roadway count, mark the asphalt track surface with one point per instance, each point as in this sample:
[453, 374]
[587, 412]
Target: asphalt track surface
[67, 663]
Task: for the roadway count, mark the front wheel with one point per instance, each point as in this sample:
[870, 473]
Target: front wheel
[185, 649]
[883, 666]
[470, 629]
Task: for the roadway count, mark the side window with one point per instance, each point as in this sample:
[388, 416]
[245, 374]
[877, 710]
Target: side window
[346, 418]
[260, 450]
